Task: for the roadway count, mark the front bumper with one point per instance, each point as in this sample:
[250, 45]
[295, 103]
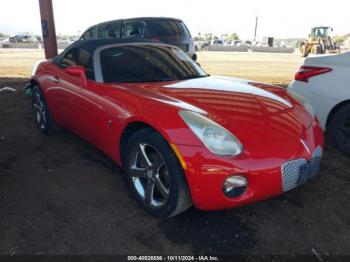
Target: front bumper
[297, 172]
[261, 166]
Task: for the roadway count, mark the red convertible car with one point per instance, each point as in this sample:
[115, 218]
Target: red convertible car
[183, 137]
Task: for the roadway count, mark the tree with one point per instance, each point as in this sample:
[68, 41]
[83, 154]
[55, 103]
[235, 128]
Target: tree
[3, 35]
[232, 36]
[338, 39]
[224, 36]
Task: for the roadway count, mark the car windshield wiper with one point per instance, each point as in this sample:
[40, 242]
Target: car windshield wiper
[193, 77]
[157, 80]
[147, 80]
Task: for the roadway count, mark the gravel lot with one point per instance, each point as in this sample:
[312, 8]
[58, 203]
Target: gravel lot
[60, 195]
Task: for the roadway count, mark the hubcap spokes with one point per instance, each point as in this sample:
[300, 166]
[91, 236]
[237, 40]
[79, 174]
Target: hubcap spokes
[150, 175]
[39, 111]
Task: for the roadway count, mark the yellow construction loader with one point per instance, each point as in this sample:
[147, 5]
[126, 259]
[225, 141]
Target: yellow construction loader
[319, 42]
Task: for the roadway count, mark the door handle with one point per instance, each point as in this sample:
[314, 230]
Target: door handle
[54, 79]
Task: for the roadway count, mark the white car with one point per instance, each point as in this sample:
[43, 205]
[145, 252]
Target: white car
[216, 42]
[325, 82]
[236, 43]
[260, 44]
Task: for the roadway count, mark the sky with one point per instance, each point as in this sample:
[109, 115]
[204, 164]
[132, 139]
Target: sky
[277, 18]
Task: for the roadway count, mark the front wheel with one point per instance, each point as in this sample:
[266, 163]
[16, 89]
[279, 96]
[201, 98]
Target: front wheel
[155, 174]
[339, 129]
[317, 49]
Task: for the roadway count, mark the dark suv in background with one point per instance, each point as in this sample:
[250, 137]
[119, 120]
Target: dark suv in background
[167, 30]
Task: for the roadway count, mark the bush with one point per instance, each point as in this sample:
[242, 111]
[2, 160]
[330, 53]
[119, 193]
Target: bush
[338, 39]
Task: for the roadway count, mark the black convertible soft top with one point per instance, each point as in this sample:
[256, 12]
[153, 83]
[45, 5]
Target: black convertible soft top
[91, 45]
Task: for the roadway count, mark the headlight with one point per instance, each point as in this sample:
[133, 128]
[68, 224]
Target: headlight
[303, 101]
[216, 138]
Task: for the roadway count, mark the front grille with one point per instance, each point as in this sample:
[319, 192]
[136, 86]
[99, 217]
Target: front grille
[291, 172]
[298, 171]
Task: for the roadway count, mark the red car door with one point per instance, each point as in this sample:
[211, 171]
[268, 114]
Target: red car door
[80, 104]
[83, 108]
[76, 106]
[56, 97]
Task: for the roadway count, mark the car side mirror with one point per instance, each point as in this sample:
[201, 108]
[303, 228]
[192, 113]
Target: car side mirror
[78, 71]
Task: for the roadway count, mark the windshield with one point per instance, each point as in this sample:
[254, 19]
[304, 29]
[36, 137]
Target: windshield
[147, 63]
[320, 31]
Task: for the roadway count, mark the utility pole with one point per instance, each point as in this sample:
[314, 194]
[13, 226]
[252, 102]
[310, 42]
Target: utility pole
[256, 28]
[48, 28]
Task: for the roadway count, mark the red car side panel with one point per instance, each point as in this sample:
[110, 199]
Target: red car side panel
[99, 113]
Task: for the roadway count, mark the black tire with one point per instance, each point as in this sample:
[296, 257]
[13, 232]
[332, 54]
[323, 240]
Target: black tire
[317, 49]
[339, 129]
[42, 115]
[303, 50]
[176, 197]
[314, 50]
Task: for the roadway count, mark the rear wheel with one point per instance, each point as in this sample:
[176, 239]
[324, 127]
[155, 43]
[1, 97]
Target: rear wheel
[155, 174]
[42, 114]
[303, 50]
[340, 129]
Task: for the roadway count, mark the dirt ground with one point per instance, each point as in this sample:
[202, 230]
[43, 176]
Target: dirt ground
[60, 195]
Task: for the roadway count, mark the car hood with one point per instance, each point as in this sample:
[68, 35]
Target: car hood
[253, 112]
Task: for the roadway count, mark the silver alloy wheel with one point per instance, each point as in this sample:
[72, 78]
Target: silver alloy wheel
[39, 110]
[149, 175]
